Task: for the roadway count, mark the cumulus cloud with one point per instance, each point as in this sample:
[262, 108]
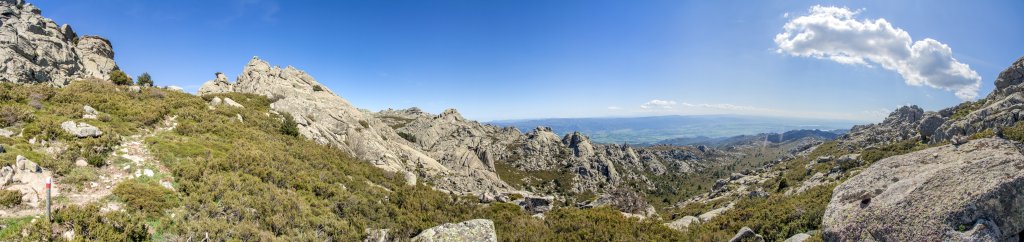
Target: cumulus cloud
[833, 33]
[658, 104]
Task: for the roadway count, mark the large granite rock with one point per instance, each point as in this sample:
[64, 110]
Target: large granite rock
[34, 49]
[219, 84]
[970, 192]
[682, 224]
[81, 130]
[477, 230]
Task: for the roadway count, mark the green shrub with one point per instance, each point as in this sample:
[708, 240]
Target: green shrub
[965, 108]
[90, 224]
[147, 197]
[1015, 132]
[145, 79]
[10, 198]
[407, 136]
[317, 88]
[11, 114]
[289, 126]
[118, 77]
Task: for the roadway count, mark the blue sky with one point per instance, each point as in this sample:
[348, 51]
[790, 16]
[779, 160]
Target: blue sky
[539, 59]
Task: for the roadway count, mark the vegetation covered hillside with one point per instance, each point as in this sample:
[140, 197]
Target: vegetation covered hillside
[237, 173]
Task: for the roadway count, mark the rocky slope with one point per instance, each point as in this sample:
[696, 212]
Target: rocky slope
[970, 192]
[463, 156]
[34, 49]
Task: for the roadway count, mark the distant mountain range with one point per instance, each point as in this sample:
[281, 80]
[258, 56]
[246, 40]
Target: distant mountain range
[770, 137]
[651, 130]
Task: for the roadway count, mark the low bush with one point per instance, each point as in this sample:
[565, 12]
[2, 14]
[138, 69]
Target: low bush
[147, 197]
[118, 77]
[10, 198]
[145, 79]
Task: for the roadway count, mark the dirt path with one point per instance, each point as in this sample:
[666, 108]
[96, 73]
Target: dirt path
[131, 159]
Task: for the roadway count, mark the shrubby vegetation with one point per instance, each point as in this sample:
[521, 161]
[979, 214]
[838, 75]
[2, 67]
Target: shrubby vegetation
[145, 80]
[251, 180]
[147, 197]
[257, 179]
[965, 108]
[120, 78]
[10, 198]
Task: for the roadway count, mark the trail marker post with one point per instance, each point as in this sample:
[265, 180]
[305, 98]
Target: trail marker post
[48, 181]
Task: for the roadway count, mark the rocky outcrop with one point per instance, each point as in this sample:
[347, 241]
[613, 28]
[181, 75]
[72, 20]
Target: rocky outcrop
[746, 234]
[473, 230]
[1001, 108]
[683, 223]
[97, 56]
[81, 130]
[902, 124]
[326, 118]
[535, 205]
[220, 84]
[970, 192]
[34, 49]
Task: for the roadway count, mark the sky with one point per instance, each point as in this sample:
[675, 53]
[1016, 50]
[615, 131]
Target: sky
[523, 59]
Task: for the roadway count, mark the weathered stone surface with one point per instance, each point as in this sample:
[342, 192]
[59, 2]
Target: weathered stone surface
[746, 234]
[377, 235]
[81, 130]
[34, 49]
[473, 230]
[974, 191]
[89, 112]
[931, 122]
[535, 205]
[683, 223]
[24, 164]
[798, 237]
[219, 84]
[902, 124]
[1001, 108]
[232, 103]
[97, 56]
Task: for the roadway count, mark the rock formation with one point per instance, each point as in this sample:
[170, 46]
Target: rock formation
[326, 118]
[34, 49]
[473, 230]
[902, 124]
[1001, 108]
[970, 192]
[81, 130]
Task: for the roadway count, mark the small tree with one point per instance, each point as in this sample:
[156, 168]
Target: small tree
[120, 78]
[289, 126]
[145, 79]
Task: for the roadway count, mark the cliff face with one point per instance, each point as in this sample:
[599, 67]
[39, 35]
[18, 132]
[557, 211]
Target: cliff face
[34, 49]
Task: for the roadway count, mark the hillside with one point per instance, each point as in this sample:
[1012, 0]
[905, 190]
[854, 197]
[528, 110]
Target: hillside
[275, 155]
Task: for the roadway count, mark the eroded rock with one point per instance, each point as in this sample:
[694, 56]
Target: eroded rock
[473, 230]
[974, 191]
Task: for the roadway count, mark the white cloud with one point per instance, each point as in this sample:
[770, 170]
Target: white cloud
[658, 104]
[833, 33]
[614, 108]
